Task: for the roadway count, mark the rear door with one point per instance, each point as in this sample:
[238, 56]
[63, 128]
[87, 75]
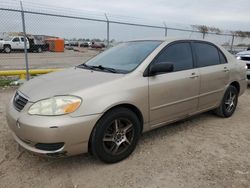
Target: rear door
[214, 74]
[173, 95]
[27, 42]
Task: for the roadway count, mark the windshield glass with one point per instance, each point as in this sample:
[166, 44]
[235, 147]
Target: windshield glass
[124, 57]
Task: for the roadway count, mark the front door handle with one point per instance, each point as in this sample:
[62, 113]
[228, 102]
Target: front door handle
[193, 75]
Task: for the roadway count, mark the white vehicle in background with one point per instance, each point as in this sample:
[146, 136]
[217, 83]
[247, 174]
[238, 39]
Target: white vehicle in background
[9, 44]
[13, 43]
[245, 56]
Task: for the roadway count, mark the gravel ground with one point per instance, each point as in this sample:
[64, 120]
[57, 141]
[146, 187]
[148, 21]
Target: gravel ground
[44, 60]
[203, 151]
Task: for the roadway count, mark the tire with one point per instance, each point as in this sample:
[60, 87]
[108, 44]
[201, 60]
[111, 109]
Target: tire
[39, 50]
[229, 103]
[115, 135]
[7, 49]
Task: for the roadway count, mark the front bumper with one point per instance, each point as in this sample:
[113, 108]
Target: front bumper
[30, 130]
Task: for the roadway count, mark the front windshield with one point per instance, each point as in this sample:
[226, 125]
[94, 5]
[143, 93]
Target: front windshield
[124, 57]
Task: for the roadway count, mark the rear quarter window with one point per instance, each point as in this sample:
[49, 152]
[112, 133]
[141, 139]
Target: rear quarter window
[223, 59]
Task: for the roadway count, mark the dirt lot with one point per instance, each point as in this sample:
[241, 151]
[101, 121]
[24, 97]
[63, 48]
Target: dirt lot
[204, 151]
[44, 60]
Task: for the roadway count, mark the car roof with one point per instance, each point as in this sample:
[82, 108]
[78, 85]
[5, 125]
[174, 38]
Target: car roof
[170, 39]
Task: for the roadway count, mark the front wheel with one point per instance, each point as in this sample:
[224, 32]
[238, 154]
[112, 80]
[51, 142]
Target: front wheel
[115, 136]
[229, 102]
[7, 49]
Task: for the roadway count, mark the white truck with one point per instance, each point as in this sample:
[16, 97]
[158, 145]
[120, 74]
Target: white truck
[245, 56]
[12, 43]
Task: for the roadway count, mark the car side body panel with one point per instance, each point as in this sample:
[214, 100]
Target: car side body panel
[168, 102]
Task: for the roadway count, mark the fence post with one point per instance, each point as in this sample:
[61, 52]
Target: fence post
[107, 29]
[203, 35]
[232, 43]
[25, 42]
[166, 29]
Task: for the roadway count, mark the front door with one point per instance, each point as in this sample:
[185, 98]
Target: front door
[15, 43]
[174, 95]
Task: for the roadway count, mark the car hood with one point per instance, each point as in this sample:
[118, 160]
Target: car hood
[66, 82]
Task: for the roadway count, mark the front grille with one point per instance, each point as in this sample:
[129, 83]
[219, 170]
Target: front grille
[248, 66]
[245, 58]
[19, 101]
[50, 146]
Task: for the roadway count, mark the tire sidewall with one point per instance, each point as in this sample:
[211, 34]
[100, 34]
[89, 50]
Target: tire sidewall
[225, 112]
[100, 128]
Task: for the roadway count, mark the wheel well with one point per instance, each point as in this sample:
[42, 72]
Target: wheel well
[133, 109]
[5, 45]
[236, 85]
[128, 106]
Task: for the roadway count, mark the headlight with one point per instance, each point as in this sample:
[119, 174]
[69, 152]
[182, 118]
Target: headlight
[58, 105]
[238, 57]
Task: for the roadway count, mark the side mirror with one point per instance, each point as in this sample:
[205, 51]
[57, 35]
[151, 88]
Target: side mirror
[162, 67]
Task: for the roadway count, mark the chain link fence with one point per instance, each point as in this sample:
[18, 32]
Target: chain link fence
[84, 34]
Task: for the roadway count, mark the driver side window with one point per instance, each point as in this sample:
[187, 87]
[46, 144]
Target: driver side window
[16, 39]
[179, 54]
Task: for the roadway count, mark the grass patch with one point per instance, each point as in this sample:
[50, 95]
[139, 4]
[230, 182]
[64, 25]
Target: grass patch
[5, 82]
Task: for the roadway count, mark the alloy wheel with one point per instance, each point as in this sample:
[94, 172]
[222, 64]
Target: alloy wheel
[118, 136]
[230, 102]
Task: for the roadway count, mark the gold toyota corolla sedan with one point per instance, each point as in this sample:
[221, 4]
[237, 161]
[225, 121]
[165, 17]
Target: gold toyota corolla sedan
[104, 105]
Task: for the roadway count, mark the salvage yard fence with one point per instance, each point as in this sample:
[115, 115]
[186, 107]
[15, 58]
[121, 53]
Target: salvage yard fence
[75, 25]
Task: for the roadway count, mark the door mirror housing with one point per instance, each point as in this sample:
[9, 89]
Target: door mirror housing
[161, 67]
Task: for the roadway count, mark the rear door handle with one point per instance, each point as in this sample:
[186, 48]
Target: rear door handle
[193, 75]
[225, 69]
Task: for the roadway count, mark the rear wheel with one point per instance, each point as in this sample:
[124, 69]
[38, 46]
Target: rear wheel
[229, 102]
[115, 136]
[7, 49]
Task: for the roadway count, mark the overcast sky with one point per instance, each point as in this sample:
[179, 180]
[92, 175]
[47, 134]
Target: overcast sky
[224, 14]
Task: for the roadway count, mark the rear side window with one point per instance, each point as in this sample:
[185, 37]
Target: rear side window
[22, 39]
[207, 54]
[179, 54]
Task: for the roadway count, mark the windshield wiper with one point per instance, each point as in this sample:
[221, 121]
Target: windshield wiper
[105, 68]
[100, 67]
[85, 66]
